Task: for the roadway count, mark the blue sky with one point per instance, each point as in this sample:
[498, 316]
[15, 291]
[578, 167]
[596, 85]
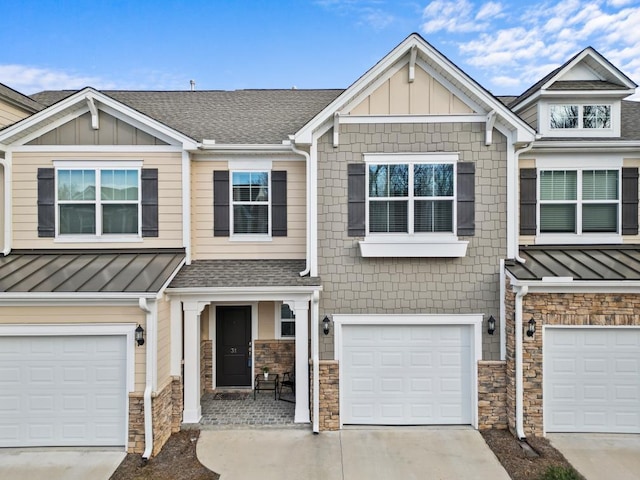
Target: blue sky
[227, 45]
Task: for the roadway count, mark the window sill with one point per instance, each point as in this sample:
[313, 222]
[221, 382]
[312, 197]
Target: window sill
[96, 239]
[574, 239]
[448, 247]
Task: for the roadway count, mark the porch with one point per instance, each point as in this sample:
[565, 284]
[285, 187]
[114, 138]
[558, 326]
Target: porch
[239, 409]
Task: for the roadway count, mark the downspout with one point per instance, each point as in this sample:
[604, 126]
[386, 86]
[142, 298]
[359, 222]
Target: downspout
[516, 184]
[186, 204]
[519, 387]
[150, 368]
[503, 313]
[8, 223]
[295, 150]
[315, 344]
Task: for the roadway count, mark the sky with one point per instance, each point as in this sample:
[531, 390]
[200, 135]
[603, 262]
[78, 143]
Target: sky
[506, 46]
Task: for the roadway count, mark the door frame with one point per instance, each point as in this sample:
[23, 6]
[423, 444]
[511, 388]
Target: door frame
[213, 324]
[473, 321]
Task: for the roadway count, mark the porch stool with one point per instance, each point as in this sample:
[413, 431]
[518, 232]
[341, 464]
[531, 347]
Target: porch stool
[288, 381]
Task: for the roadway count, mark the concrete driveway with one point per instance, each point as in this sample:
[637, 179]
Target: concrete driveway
[600, 456]
[407, 453]
[54, 464]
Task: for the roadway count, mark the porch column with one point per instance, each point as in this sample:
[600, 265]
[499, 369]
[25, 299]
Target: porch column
[192, 410]
[302, 362]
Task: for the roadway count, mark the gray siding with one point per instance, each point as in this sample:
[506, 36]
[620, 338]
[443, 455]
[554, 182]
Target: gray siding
[352, 284]
[530, 115]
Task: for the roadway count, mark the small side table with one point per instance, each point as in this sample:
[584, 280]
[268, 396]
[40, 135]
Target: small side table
[261, 384]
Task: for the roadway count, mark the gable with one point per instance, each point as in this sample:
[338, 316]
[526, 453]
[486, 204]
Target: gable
[579, 72]
[111, 131]
[423, 96]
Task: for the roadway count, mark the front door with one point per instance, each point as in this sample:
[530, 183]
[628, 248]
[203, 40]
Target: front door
[233, 346]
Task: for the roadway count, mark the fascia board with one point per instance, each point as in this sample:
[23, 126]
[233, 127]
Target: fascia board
[578, 286]
[588, 145]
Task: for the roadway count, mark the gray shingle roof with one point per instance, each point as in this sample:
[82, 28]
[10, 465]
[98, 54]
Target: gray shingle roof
[228, 117]
[243, 273]
[582, 263]
[88, 271]
[18, 98]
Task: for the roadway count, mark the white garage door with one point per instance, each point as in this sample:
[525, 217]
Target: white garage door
[406, 374]
[592, 380]
[62, 391]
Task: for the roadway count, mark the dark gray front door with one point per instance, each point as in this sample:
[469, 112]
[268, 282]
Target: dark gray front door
[233, 346]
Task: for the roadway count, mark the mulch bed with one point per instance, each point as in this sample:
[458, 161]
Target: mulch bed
[176, 460]
[520, 464]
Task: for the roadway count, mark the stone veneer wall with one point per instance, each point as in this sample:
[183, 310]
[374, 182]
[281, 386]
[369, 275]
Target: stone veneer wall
[329, 416]
[352, 284]
[492, 395]
[591, 309]
[278, 355]
[166, 417]
[206, 366]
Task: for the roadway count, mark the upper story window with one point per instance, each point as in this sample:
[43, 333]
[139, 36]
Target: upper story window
[98, 201]
[579, 201]
[411, 198]
[580, 116]
[251, 203]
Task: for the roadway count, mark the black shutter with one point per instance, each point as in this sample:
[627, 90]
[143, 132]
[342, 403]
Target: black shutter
[356, 186]
[528, 201]
[630, 201]
[279, 203]
[466, 195]
[220, 203]
[46, 202]
[149, 183]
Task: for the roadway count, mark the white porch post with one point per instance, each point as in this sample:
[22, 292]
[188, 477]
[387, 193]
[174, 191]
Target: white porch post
[302, 362]
[192, 410]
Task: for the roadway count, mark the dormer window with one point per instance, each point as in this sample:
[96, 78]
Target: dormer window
[580, 116]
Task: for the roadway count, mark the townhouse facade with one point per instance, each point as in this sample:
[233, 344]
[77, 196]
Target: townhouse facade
[387, 243]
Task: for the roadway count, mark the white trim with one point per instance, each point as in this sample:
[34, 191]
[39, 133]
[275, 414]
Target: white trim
[56, 123]
[242, 293]
[240, 148]
[411, 157]
[257, 164]
[73, 298]
[576, 286]
[454, 118]
[250, 237]
[186, 206]
[579, 161]
[578, 238]
[472, 320]
[103, 164]
[99, 148]
[403, 246]
[8, 201]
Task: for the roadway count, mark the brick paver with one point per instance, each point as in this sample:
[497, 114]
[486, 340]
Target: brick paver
[264, 410]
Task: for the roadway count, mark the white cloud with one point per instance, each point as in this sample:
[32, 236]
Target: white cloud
[450, 16]
[369, 12]
[29, 79]
[490, 10]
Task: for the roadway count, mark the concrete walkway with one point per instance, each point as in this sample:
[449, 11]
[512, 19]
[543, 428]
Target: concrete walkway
[53, 464]
[407, 453]
[600, 456]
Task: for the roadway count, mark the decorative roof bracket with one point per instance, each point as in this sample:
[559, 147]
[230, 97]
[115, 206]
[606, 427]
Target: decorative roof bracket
[491, 121]
[412, 63]
[95, 124]
[336, 129]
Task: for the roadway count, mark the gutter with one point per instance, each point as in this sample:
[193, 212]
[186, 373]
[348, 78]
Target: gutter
[150, 368]
[8, 224]
[519, 380]
[307, 157]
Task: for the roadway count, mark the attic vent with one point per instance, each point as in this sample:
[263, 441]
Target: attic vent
[193, 85]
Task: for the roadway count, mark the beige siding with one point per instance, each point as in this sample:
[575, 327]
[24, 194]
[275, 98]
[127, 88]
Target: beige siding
[10, 114]
[66, 315]
[206, 246]
[164, 342]
[25, 194]
[530, 115]
[424, 96]
[266, 320]
[112, 131]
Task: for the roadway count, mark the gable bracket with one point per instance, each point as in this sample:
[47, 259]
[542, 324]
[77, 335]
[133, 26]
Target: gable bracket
[95, 123]
[491, 121]
[336, 129]
[412, 63]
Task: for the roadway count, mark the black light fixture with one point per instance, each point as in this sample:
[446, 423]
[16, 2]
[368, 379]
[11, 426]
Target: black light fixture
[140, 335]
[325, 325]
[491, 325]
[532, 328]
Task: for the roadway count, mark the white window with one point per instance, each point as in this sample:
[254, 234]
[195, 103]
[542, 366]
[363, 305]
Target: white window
[411, 198]
[98, 201]
[580, 116]
[251, 202]
[581, 201]
[285, 322]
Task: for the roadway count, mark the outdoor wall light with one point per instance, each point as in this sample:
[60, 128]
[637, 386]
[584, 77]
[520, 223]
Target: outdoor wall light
[140, 335]
[491, 325]
[325, 325]
[532, 328]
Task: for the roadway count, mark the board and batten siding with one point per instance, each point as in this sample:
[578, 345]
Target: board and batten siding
[206, 246]
[25, 197]
[10, 114]
[85, 314]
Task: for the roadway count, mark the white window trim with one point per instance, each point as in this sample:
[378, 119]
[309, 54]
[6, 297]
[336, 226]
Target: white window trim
[278, 323]
[581, 107]
[579, 237]
[545, 119]
[250, 237]
[421, 244]
[98, 166]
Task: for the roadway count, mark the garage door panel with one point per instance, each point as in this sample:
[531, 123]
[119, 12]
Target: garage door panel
[591, 380]
[64, 393]
[412, 375]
